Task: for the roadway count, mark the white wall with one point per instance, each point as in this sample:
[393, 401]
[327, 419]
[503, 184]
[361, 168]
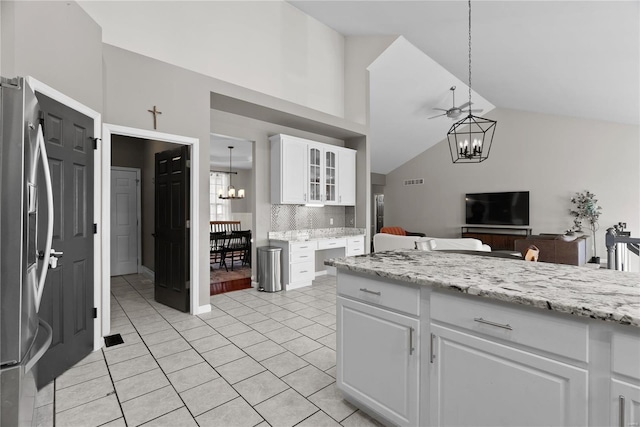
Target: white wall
[551, 156]
[267, 46]
[360, 52]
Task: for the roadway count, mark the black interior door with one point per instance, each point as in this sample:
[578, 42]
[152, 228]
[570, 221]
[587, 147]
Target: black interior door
[171, 228]
[67, 300]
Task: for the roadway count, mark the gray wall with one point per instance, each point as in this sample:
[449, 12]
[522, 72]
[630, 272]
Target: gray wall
[127, 152]
[55, 42]
[551, 156]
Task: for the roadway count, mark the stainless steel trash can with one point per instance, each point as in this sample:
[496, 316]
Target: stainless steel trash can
[269, 269]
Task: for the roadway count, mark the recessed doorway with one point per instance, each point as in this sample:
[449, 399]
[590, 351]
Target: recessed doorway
[231, 216]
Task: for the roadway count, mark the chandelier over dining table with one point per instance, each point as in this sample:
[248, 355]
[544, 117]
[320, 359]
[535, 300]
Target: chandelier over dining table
[231, 190]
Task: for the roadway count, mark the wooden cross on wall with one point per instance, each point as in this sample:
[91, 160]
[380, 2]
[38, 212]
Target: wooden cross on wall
[155, 113]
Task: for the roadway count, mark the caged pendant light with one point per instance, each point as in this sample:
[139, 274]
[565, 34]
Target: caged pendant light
[231, 190]
[470, 138]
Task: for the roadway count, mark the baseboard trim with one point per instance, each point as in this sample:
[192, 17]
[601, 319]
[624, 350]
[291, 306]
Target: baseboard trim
[146, 272]
[203, 309]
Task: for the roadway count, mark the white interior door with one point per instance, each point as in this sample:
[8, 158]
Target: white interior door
[125, 208]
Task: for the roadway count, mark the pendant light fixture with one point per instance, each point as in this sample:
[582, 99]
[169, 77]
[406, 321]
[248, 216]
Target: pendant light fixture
[231, 190]
[470, 138]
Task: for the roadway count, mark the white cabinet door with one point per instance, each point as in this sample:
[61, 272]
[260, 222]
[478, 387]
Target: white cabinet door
[347, 177]
[475, 381]
[330, 176]
[625, 404]
[315, 173]
[288, 170]
[378, 360]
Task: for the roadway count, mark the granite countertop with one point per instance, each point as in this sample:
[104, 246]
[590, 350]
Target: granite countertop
[596, 293]
[315, 234]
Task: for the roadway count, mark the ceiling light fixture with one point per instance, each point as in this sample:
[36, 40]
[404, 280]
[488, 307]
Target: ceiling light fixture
[470, 138]
[231, 190]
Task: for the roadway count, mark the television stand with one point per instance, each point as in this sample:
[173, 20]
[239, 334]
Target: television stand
[499, 238]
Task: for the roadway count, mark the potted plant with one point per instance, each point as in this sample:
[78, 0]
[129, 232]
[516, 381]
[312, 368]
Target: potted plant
[585, 208]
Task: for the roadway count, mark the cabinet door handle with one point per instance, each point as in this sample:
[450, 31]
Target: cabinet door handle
[305, 197]
[411, 349]
[497, 325]
[432, 355]
[621, 409]
[340, 199]
[370, 292]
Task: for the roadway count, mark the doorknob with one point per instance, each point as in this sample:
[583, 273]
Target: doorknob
[53, 258]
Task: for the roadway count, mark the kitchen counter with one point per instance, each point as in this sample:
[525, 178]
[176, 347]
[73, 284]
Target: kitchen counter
[315, 234]
[607, 295]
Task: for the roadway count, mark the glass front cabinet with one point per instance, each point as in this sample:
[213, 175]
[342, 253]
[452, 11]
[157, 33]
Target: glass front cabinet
[309, 172]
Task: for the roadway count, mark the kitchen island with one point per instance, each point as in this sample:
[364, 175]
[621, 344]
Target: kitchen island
[436, 338]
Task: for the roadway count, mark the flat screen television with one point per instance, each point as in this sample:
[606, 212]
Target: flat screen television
[506, 208]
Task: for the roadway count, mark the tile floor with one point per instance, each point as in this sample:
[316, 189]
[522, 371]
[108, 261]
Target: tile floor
[256, 359]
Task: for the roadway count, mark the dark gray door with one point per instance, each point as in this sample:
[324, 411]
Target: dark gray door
[67, 301]
[171, 230]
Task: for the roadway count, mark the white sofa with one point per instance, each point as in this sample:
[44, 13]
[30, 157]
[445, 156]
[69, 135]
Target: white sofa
[388, 242]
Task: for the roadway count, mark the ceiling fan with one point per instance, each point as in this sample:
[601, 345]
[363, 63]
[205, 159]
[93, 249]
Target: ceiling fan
[455, 112]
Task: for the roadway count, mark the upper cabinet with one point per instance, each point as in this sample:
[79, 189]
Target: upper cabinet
[347, 174]
[304, 172]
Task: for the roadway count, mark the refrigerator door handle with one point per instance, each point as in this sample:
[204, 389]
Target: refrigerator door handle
[49, 235]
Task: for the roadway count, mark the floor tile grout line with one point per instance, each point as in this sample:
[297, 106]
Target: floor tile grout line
[161, 370]
[206, 361]
[93, 400]
[242, 296]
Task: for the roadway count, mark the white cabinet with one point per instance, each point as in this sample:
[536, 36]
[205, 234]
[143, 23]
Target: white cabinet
[304, 171]
[625, 404]
[499, 363]
[355, 246]
[625, 382]
[289, 183]
[476, 381]
[347, 177]
[378, 360]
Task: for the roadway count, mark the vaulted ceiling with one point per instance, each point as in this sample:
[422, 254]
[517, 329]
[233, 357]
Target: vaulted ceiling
[573, 58]
[577, 58]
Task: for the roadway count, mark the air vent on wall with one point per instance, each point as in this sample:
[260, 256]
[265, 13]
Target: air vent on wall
[414, 181]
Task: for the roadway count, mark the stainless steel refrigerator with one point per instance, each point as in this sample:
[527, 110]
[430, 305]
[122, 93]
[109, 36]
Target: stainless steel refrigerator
[25, 251]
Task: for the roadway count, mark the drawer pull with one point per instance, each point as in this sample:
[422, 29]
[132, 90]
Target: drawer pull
[621, 409]
[497, 325]
[411, 349]
[370, 292]
[304, 271]
[432, 354]
[304, 256]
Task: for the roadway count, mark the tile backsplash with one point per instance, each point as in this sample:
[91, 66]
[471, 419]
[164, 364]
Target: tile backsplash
[296, 217]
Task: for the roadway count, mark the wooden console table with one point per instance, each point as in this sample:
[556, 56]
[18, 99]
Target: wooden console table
[500, 239]
[554, 249]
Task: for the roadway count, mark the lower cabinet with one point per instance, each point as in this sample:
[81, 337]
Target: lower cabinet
[625, 404]
[378, 362]
[476, 381]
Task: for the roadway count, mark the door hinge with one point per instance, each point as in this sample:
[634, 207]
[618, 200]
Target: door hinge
[95, 228]
[188, 163]
[95, 142]
[188, 224]
[95, 312]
